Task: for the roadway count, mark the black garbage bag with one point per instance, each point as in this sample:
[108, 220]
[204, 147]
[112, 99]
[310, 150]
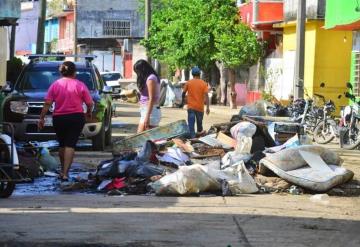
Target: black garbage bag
[143, 170]
[107, 169]
[141, 165]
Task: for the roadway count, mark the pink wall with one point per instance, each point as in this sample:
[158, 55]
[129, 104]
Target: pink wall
[241, 92]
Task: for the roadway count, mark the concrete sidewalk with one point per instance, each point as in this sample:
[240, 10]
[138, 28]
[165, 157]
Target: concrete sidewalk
[249, 220]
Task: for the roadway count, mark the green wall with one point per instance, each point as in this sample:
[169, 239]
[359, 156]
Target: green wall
[341, 12]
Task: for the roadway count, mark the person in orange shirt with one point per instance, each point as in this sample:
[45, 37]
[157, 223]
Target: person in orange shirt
[197, 93]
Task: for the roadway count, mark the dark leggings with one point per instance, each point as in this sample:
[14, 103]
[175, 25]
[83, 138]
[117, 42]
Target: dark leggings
[68, 128]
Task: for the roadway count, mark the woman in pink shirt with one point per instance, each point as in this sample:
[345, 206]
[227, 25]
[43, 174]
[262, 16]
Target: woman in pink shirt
[68, 94]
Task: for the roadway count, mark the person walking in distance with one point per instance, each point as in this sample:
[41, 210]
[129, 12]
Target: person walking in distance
[197, 93]
[148, 83]
[68, 94]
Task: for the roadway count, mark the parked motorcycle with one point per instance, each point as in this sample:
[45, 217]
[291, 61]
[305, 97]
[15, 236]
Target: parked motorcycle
[350, 133]
[307, 113]
[327, 129]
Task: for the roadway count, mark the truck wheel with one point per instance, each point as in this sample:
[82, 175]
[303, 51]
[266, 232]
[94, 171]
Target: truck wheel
[6, 189]
[98, 141]
[108, 133]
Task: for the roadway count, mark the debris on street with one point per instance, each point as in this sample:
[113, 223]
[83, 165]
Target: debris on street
[254, 154]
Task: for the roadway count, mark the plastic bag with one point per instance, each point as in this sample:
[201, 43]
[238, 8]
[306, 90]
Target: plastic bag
[243, 145]
[197, 178]
[244, 129]
[258, 108]
[245, 183]
[175, 156]
[231, 158]
[146, 170]
[186, 181]
[238, 180]
[47, 161]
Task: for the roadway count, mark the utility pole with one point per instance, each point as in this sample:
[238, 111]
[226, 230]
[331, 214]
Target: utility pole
[147, 22]
[12, 41]
[75, 29]
[41, 28]
[300, 50]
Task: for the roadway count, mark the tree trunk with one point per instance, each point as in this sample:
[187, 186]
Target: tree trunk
[186, 74]
[215, 76]
[206, 75]
[232, 77]
[223, 82]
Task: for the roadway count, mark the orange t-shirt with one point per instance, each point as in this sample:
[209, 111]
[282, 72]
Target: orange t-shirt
[196, 89]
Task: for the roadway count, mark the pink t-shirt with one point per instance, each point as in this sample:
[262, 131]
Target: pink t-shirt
[69, 96]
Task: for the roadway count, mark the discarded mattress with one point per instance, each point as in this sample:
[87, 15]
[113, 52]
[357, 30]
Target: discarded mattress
[311, 167]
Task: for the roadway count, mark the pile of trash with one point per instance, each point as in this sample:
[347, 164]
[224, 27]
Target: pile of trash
[250, 155]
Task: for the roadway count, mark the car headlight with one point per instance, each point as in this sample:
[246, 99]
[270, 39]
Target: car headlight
[85, 108]
[19, 107]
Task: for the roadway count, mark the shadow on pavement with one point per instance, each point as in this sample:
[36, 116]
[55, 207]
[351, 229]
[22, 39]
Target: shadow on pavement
[173, 229]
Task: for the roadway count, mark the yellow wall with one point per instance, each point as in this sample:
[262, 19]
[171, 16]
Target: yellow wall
[289, 43]
[327, 59]
[332, 63]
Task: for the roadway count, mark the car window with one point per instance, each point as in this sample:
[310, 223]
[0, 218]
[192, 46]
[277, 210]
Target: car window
[111, 76]
[41, 78]
[98, 78]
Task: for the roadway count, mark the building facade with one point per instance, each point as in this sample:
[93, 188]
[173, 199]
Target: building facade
[112, 31]
[9, 15]
[327, 54]
[344, 17]
[26, 31]
[51, 34]
[260, 15]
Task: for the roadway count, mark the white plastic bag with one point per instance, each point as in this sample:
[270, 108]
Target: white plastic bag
[231, 158]
[243, 129]
[47, 161]
[246, 182]
[243, 145]
[186, 181]
[197, 178]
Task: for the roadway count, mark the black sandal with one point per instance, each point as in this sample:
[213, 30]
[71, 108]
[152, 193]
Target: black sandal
[64, 179]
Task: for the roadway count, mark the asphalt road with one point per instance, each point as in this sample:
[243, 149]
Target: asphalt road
[249, 220]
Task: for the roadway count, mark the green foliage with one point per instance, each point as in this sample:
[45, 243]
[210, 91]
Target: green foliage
[267, 96]
[53, 45]
[238, 46]
[200, 32]
[14, 67]
[55, 7]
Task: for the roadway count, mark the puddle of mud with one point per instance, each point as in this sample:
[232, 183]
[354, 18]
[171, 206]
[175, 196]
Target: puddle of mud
[46, 185]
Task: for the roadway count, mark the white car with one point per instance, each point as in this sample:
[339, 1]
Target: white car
[112, 79]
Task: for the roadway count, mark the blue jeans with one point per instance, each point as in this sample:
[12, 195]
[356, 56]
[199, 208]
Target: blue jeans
[192, 117]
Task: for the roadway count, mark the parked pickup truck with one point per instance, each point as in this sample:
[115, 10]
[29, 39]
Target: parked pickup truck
[24, 101]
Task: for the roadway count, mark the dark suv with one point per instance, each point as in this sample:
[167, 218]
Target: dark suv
[24, 101]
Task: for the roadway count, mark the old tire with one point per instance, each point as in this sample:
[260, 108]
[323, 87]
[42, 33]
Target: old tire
[322, 136]
[6, 189]
[98, 141]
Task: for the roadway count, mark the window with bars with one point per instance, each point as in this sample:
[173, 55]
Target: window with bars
[116, 28]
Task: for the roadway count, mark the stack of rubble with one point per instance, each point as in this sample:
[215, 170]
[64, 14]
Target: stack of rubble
[250, 155]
